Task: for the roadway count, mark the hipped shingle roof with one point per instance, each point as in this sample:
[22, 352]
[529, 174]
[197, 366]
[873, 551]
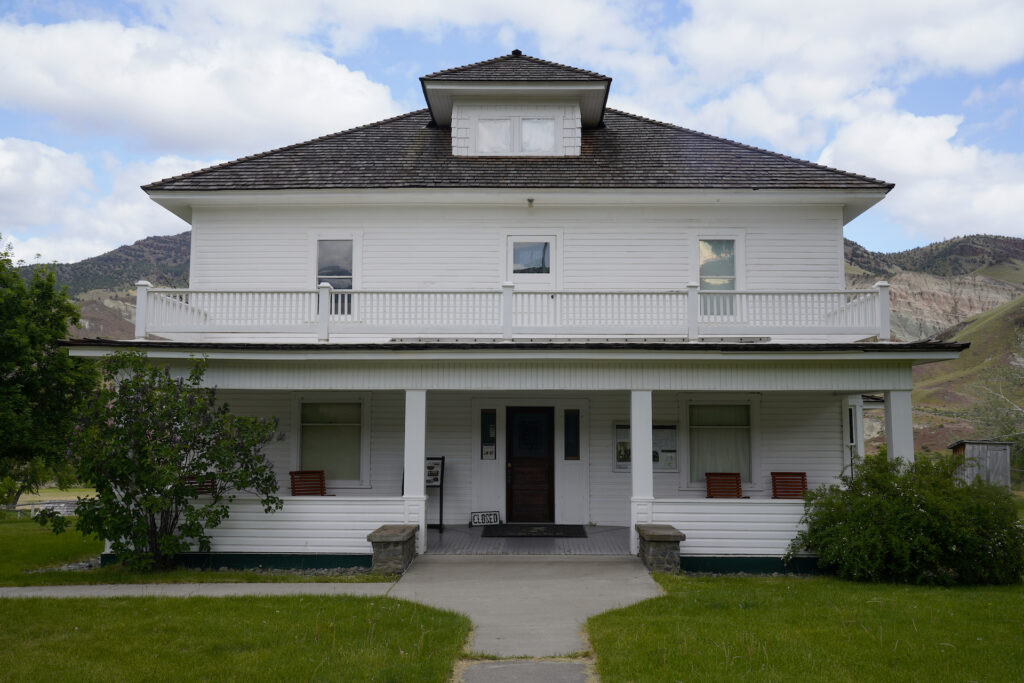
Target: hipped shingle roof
[629, 151]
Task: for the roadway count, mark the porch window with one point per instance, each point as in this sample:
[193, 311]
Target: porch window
[719, 440]
[571, 440]
[332, 441]
[664, 453]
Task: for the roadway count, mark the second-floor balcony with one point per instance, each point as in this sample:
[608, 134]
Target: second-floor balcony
[508, 313]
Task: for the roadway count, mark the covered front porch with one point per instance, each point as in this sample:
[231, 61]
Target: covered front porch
[373, 418]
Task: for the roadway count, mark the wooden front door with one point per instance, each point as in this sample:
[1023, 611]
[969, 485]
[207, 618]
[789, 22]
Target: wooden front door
[530, 465]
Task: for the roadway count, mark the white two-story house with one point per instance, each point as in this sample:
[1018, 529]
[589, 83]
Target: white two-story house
[582, 310]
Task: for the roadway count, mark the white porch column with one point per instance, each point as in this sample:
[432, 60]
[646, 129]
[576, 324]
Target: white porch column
[641, 434]
[899, 425]
[415, 496]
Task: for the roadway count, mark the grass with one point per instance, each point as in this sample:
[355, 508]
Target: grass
[342, 638]
[993, 338]
[817, 628]
[52, 493]
[28, 546]
[1018, 498]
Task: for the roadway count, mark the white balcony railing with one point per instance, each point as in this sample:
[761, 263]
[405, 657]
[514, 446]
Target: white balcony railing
[509, 313]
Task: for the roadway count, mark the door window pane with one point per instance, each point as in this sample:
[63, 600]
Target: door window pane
[494, 136]
[538, 136]
[531, 257]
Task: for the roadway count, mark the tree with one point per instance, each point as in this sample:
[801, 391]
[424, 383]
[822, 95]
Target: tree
[41, 387]
[999, 411]
[166, 460]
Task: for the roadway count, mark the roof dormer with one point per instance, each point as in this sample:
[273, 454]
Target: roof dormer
[516, 105]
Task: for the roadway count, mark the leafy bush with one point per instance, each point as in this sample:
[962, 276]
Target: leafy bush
[914, 523]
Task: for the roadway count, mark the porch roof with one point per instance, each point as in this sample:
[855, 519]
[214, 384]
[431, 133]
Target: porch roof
[916, 350]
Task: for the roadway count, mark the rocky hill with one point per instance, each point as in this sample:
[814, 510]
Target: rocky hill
[942, 284]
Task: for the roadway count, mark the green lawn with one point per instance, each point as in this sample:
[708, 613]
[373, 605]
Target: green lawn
[26, 545]
[811, 628]
[342, 638]
[57, 494]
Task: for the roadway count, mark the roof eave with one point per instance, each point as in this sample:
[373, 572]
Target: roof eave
[591, 95]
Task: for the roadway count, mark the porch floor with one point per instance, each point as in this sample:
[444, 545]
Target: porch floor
[467, 540]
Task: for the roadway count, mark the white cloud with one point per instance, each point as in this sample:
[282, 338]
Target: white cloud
[36, 181]
[943, 189]
[80, 225]
[170, 91]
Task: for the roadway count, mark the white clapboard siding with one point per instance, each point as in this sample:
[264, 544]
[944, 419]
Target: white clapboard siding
[311, 524]
[450, 434]
[731, 527]
[463, 247]
[802, 432]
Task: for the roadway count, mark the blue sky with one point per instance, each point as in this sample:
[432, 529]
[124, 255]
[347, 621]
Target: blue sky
[98, 98]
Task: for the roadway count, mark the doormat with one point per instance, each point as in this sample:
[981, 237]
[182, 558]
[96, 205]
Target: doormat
[535, 531]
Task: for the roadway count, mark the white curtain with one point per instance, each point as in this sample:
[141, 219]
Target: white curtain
[719, 440]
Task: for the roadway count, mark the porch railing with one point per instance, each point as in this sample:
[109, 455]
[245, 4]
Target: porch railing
[508, 313]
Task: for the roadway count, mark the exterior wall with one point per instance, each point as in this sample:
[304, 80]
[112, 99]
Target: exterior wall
[464, 247]
[796, 431]
[733, 527]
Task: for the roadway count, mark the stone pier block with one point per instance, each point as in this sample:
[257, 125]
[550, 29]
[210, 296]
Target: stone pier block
[659, 547]
[394, 547]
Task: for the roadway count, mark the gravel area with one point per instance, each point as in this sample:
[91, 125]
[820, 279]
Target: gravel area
[94, 563]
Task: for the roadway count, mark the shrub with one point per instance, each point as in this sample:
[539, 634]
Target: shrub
[914, 523]
[166, 460]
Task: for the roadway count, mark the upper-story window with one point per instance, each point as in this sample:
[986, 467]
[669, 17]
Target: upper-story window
[334, 263]
[515, 136]
[512, 129]
[532, 261]
[718, 264]
[531, 257]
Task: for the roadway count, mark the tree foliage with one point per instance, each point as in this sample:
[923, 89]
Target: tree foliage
[998, 412]
[41, 387]
[166, 460]
[914, 523]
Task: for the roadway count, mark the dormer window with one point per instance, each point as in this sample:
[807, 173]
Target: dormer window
[516, 129]
[515, 136]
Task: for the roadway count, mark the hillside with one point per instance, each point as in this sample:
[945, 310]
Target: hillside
[995, 338]
[939, 285]
[163, 260]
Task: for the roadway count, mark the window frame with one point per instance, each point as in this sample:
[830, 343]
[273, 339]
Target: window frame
[538, 281]
[357, 251]
[365, 479]
[683, 442]
[738, 238]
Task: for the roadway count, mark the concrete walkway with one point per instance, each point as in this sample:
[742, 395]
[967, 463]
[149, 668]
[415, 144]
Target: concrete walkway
[190, 590]
[526, 605]
[520, 606]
